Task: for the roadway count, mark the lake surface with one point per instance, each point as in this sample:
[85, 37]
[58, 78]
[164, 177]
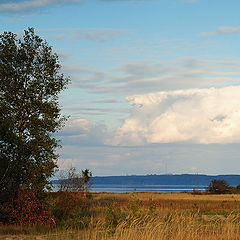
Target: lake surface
[145, 188]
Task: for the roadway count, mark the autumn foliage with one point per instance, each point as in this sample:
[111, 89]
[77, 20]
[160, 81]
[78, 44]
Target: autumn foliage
[26, 209]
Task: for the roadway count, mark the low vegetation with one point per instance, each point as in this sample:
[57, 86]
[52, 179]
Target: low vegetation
[147, 216]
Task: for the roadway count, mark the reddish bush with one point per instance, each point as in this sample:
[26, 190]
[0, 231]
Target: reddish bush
[28, 210]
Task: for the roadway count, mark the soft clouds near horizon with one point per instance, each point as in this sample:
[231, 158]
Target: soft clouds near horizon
[200, 116]
[222, 31]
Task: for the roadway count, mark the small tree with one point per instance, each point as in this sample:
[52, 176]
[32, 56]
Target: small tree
[70, 181]
[86, 177]
[30, 82]
[218, 186]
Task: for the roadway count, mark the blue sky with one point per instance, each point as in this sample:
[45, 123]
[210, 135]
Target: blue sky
[155, 83]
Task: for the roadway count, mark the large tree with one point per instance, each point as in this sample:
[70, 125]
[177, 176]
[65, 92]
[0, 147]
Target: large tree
[30, 83]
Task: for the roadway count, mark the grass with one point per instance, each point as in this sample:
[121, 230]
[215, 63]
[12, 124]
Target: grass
[146, 216]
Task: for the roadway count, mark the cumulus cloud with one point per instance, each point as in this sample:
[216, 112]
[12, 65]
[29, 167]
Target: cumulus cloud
[222, 31]
[21, 6]
[195, 115]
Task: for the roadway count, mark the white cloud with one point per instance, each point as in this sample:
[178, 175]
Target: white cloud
[17, 6]
[76, 127]
[67, 163]
[22, 6]
[93, 34]
[183, 73]
[81, 132]
[195, 115]
[222, 31]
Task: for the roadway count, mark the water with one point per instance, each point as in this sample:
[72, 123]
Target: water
[145, 188]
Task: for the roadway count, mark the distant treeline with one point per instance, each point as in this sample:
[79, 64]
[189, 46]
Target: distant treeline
[178, 179]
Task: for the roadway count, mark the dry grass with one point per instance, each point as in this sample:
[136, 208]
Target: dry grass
[175, 216]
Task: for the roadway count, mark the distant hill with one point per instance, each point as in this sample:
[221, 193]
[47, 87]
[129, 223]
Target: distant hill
[175, 179]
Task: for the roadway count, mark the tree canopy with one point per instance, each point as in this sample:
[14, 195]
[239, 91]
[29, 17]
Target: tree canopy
[219, 186]
[30, 83]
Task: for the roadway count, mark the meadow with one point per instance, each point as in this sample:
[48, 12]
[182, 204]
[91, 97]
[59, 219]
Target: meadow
[137, 216]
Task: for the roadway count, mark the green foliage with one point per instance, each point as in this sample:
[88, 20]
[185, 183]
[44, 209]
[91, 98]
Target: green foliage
[71, 210]
[134, 206]
[30, 82]
[113, 215]
[116, 214]
[219, 186]
[152, 207]
[86, 177]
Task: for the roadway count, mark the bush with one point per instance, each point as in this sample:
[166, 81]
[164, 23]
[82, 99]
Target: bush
[28, 210]
[196, 192]
[218, 186]
[116, 214]
[113, 215]
[71, 210]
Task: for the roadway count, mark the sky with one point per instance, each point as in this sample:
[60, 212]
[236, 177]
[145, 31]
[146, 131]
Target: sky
[155, 84]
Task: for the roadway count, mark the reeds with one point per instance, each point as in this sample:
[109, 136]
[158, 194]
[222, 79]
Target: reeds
[162, 216]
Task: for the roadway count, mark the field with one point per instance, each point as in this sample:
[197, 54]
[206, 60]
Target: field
[141, 216]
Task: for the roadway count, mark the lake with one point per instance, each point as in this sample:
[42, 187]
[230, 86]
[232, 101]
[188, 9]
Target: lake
[144, 188]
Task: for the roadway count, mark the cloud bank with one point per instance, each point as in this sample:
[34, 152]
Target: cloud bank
[145, 77]
[200, 116]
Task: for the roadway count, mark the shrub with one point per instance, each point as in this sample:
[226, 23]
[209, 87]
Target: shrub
[71, 210]
[218, 186]
[116, 214]
[196, 192]
[113, 215]
[26, 209]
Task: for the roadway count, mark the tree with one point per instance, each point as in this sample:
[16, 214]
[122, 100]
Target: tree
[30, 83]
[86, 176]
[218, 186]
[70, 181]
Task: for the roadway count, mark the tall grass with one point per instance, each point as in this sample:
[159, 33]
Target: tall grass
[133, 217]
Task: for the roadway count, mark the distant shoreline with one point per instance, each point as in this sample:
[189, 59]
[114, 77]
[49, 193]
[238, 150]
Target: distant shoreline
[169, 180]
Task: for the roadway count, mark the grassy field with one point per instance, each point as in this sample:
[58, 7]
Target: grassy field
[144, 216]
